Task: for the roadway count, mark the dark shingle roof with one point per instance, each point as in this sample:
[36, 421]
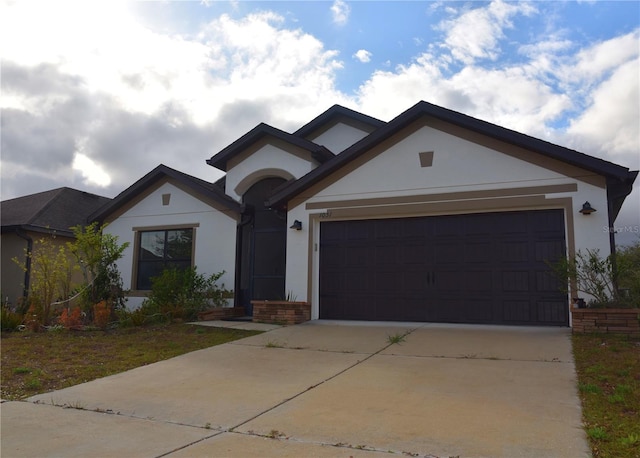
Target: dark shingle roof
[336, 114]
[57, 209]
[202, 187]
[615, 174]
[262, 130]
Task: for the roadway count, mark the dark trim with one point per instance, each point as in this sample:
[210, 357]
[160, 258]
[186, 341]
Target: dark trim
[332, 116]
[222, 158]
[200, 187]
[38, 229]
[246, 217]
[424, 109]
[446, 196]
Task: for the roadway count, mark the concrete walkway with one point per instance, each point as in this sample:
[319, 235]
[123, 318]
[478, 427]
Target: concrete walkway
[324, 389]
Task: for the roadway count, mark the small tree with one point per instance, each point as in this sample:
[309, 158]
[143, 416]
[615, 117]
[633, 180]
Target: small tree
[604, 279]
[50, 276]
[628, 262]
[96, 252]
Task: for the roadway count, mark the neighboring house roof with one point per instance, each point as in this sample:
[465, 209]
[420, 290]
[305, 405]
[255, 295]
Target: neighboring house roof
[618, 177]
[262, 130]
[200, 187]
[55, 210]
[334, 115]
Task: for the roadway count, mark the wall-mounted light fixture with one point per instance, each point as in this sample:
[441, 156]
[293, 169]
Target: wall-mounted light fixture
[587, 209]
[297, 225]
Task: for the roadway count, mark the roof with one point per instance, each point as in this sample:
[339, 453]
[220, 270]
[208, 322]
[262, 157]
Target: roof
[613, 172]
[336, 114]
[58, 210]
[201, 187]
[262, 130]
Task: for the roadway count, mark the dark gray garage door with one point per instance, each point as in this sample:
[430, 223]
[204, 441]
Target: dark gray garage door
[477, 268]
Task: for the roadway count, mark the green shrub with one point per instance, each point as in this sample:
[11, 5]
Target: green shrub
[180, 294]
[613, 281]
[628, 261]
[10, 320]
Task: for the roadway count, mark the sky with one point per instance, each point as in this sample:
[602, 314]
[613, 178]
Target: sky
[95, 94]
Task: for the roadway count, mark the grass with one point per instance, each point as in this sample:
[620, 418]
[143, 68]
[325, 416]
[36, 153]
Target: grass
[608, 368]
[34, 363]
[396, 338]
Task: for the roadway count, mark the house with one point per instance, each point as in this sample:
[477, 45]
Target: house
[29, 218]
[433, 216]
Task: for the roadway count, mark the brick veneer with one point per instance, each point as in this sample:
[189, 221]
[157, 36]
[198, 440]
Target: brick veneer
[619, 321]
[220, 313]
[281, 312]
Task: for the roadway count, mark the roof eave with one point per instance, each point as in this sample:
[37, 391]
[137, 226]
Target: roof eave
[599, 166]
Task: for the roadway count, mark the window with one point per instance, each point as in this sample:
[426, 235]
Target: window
[162, 249]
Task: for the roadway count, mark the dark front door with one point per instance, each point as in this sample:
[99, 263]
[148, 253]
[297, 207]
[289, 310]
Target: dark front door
[477, 268]
[263, 247]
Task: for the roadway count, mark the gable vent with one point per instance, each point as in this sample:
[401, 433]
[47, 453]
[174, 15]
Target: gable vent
[426, 158]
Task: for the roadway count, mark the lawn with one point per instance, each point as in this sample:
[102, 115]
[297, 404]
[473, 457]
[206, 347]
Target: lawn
[608, 368]
[34, 363]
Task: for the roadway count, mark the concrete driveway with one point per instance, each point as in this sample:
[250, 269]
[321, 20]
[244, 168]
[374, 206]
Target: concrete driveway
[324, 389]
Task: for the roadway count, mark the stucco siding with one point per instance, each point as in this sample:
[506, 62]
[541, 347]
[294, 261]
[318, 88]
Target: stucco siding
[12, 275]
[339, 137]
[464, 177]
[214, 232]
[458, 165]
[267, 161]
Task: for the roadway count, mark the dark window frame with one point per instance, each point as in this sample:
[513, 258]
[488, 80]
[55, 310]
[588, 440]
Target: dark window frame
[142, 282]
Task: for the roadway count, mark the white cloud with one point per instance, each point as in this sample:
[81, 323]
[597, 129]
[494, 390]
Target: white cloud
[340, 11]
[156, 95]
[93, 174]
[610, 124]
[475, 34]
[362, 55]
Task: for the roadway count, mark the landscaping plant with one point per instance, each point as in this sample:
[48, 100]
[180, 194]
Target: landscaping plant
[178, 294]
[96, 252]
[612, 281]
[50, 278]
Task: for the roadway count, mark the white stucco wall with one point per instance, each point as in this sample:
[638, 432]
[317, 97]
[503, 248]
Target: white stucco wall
[458, 166]
[215, 234]
[339, 137]
[268, 161]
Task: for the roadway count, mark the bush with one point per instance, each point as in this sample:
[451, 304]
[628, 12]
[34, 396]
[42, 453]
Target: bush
[181, 294]
[628, 261]
[611, 282]
[10, 320]
[101, 314]
[71, 319]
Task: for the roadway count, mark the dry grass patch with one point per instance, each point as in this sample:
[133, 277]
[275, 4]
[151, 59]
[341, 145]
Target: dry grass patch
[608, 369]
[34, 363]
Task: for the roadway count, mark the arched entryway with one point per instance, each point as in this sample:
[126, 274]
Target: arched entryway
[262, 250]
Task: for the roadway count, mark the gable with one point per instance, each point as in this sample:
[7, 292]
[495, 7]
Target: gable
[616, 177]
[340, 136]
[267, 158]
[169, 198]
[430, 159]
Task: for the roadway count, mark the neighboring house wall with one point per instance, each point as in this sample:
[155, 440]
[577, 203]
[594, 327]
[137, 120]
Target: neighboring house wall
[428, 171]
[12, 275]
[214, 233]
